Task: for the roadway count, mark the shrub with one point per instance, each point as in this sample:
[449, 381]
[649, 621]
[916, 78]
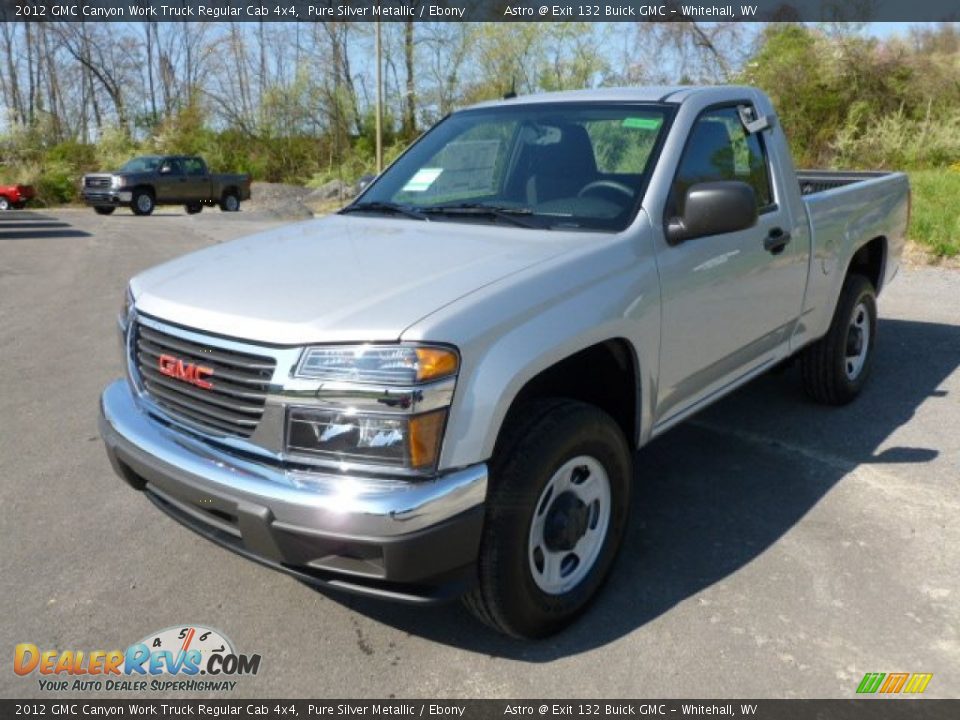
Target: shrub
[56, 183]
[935, 222]
[898, 142]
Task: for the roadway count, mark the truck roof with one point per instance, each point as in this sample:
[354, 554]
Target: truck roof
[648, 93]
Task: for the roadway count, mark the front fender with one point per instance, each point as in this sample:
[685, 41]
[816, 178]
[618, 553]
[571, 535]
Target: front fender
[510, 332]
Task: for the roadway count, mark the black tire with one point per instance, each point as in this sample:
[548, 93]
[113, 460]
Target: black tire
[537, 441]
[142, 203]
[831, 369]
[193, 208]
[104, 209]
[230, 202]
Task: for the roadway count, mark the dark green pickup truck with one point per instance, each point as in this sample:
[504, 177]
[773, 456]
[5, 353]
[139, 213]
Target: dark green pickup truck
[151, 180]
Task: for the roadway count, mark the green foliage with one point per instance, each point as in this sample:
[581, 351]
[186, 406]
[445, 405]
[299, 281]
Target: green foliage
[184, 132]
[114, 148]
[853, 101]
[55, 184]
[935, 221]
[896, 141]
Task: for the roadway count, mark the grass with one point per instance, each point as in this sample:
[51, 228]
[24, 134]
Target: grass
[935, 222]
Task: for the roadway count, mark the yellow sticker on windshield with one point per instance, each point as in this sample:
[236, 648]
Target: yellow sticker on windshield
[642, 123]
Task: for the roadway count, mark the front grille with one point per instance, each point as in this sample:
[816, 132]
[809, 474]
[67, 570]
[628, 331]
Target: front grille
[232, 405]
[97, 182]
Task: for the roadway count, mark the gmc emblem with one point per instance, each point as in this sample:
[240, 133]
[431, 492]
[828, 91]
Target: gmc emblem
[187, 372]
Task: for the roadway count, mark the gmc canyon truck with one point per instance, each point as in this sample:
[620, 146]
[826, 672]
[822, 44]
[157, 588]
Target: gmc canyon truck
[439, 390]
[145, 182]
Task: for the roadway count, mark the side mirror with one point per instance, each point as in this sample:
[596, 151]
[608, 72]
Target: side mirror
[714, 208]
[364, 182]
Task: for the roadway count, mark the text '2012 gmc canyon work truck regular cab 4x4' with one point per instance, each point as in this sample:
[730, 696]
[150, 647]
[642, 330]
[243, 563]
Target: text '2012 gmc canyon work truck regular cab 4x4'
[439, 390]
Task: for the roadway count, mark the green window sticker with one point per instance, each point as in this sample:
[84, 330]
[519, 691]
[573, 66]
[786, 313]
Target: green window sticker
[642, 123]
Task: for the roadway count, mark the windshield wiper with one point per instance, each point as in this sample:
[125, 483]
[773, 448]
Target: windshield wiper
[384, 207]
[516, 215]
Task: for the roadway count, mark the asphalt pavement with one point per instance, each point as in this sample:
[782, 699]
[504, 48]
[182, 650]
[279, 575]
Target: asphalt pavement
[776, 548]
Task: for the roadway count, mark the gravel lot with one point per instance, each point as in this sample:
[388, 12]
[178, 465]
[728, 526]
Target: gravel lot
[777, 548]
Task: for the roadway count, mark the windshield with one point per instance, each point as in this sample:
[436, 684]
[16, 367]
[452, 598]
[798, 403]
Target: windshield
[148, 163]
[559, 165]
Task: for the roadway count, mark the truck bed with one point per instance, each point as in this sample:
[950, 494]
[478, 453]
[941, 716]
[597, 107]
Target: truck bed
[844, 208]
[817, 181]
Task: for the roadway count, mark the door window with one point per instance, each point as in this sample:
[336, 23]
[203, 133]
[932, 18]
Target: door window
[171, 166]
[720, 148]
[194, 166]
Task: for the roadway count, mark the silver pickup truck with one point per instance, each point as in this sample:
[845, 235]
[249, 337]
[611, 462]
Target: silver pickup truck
[439, 390]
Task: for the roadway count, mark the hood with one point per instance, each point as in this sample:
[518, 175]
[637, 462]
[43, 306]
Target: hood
[340, 278]
[114, 173]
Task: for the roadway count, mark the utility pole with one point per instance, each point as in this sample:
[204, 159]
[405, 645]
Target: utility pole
[379, 103]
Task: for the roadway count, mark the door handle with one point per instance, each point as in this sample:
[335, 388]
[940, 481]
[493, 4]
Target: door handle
[776, 241]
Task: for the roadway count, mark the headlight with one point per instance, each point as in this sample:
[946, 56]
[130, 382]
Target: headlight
[126, 309]
[116, 182]
[403, 441]
[378, 364]
[376, 404]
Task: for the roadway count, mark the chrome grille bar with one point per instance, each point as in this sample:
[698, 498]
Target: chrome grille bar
[239, 383]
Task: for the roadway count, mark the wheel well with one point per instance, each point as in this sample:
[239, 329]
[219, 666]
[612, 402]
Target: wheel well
[869, 261]
[148, 188]
[604, 375]
[231, 190]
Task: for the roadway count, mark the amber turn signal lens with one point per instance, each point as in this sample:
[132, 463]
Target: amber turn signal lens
[434, 363]
[426, 431]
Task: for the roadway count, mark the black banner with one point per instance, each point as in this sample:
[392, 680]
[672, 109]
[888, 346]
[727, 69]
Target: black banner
[480, 10]
[873, 709]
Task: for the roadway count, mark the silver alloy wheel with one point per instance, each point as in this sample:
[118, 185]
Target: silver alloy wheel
[144, 202]
[4, 204]
[569, 525]
[231, 203]
[858, 342]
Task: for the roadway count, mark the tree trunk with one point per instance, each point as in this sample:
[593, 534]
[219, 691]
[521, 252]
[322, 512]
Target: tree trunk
[410, 106]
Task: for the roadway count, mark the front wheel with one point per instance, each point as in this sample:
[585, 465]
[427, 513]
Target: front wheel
[230, 202]
[835, 368]
[143, 202]
[556, 512]
[104, 209]
[4, 204]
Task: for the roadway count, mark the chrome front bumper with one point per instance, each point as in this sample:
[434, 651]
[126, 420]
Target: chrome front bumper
[106, 196]
[396, 537]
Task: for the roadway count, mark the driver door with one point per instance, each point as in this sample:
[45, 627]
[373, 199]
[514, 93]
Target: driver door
[728, 304]
[171, 184]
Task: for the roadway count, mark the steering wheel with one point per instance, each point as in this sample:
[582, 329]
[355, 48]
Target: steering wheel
[606, 185]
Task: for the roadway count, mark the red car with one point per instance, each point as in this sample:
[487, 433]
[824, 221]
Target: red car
[14, 196]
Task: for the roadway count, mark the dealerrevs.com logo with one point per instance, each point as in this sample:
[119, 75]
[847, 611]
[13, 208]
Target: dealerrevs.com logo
[182, 658]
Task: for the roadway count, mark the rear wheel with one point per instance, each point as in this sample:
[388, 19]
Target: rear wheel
[193, 208]
[230, 202]
[556, 512]
[4, 203]
[143, 202]
[104, 209]
[835, 368]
